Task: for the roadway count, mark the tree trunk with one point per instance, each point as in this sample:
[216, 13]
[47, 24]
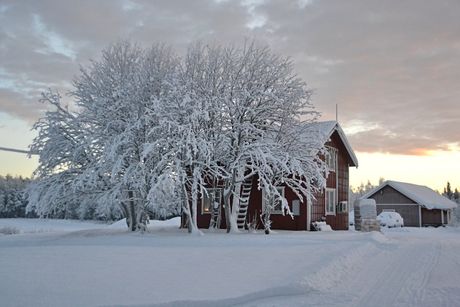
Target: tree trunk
[133, 218]
[190, 209]
[229, 185]
[266, 215]
[235, 208]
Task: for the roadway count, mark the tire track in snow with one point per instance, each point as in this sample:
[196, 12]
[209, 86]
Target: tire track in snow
[396, 278]
[333, 274]
[415, 292]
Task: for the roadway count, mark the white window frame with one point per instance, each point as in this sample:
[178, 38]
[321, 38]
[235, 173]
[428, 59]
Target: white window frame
[211, 192]
[342, 207]
[331, 158]
[264, 199]
[330, 201]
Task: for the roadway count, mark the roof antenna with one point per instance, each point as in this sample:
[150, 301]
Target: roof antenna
[337, 112]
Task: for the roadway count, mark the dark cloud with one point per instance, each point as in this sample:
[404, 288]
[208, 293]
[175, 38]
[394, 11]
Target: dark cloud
[392, 66]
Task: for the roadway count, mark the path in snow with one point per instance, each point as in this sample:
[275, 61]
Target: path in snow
[397, 277]
[407, 271]
[417, 271]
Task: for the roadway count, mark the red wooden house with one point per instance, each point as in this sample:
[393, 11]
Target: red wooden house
[331, 205]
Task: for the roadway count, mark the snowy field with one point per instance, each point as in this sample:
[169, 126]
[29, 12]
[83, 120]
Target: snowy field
[71, 263]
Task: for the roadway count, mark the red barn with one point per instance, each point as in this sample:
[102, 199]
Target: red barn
[331, 204]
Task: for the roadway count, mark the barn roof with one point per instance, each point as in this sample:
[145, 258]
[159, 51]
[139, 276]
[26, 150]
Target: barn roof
[327, 128]
[420, 194]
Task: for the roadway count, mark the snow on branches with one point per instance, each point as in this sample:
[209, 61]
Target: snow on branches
[151, 130]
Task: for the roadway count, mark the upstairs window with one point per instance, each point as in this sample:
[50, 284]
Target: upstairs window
[331, 158]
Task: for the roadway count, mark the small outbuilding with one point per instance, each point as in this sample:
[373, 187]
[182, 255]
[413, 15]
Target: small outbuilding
[418, 205]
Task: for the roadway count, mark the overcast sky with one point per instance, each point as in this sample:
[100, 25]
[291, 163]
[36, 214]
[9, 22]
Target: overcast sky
[392, 66]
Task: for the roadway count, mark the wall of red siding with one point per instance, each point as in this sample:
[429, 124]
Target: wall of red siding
[339, 221]
[279, 221]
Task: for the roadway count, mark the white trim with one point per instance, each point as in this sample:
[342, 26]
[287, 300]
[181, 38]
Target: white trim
[342, 206]
[328, 128]
[347, 145]
[336, 177]
[326, 201]
[419, 216]
[442, 217]
[350, 205]
[308, 213]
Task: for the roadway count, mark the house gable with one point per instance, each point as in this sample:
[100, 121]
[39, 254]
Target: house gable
[326, 131]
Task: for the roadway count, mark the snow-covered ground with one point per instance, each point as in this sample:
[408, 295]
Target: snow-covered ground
[70, 263]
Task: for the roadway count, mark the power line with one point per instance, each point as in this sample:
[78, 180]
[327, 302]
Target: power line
[18, 150]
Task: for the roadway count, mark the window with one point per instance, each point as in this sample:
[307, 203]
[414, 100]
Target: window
[331, 158]
[210, 200]
[342, 207]
[330, 201]
[277, 207]
[296, 207]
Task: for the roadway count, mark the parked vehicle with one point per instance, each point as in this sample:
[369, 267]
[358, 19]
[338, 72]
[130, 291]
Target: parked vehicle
[390, 219]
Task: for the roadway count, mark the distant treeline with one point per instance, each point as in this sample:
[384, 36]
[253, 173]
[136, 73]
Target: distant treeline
[14, 202]
[451, 194]
[13, 198]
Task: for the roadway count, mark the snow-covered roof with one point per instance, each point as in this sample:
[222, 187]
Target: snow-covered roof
[420, 194]
[327, 128]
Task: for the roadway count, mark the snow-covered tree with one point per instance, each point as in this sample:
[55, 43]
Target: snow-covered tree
[256, 103]
[63, 156]
[108, 94]
[148, 125]
[183, 138]
[95, 154]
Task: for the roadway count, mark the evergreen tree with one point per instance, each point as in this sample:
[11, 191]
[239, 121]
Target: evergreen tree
[448, 191]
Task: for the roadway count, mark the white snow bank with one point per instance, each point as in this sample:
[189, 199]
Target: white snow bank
[48, 225]
[153, 224]
[22, 225]
[322, 226]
